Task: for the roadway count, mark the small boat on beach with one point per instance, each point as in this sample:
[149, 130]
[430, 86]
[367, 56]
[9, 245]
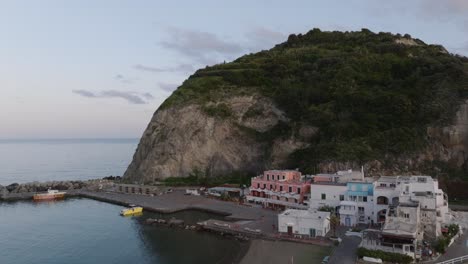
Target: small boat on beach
[49, 195]
[133, 210]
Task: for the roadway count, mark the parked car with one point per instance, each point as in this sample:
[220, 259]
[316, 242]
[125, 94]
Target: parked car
[325, 260]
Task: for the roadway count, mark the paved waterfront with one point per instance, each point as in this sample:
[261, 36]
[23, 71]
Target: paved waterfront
[245, 215]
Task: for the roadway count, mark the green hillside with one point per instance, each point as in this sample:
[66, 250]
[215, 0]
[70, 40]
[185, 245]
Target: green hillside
[370, 95]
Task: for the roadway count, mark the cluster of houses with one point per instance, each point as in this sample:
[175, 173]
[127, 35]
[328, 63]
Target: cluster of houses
[402, 211]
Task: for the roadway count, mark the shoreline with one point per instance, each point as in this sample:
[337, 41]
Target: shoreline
[235, 214]
[240, 220]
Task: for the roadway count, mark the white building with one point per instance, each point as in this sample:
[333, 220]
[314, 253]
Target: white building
[326, 194]
[357, 208]
[310, 223]
[423, 190]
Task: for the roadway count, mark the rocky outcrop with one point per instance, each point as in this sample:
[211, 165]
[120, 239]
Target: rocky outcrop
[314, 101]
[447, 144]
[34, 187]
[3, 192]
[181, 140]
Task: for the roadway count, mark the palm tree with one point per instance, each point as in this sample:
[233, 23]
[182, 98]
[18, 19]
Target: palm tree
[334, 223]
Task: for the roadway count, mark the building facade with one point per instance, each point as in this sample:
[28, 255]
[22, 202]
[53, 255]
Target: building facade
[307, 223]
[357, 207]
[280, 189]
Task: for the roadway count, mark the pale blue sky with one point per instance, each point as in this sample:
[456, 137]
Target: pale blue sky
[99, 69]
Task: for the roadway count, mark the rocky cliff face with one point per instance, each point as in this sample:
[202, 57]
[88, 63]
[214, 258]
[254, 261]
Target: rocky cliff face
[181, 140]
[447, 144]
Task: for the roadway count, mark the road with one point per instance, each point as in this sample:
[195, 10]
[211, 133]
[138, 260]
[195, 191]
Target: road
[345, 253]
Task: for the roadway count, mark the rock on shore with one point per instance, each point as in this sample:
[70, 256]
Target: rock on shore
[34, 187]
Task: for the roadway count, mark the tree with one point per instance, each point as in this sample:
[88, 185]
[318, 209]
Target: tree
[334, 223]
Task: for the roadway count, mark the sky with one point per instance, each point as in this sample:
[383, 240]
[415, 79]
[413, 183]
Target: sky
[99, 69]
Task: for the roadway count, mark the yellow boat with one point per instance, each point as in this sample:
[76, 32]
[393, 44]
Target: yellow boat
[132, 211]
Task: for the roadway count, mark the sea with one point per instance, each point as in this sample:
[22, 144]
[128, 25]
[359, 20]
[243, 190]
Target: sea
[29, 160]
[80, 230]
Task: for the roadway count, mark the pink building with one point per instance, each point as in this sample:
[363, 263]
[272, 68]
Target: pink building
[280, 189]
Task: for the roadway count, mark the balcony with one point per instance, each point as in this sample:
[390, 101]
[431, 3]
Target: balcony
[274, 201]
[283, 194]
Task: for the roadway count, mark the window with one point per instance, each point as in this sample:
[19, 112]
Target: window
[290, 189]
[283, 177]
[264, 186]
[383, 185]
[278, 177]
[268, 177]
[298, 190]
[281, 188]
[421, 179]
[361, 210]
[406, 215]
[258, 185]
[392, 185]
[341, 197]
[364, 198]
[271, 186]
[324, 196]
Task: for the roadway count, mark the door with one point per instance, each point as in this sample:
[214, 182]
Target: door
[290, 230]
[347, 221]
[312, 232]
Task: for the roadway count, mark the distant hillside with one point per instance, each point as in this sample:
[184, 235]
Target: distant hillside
[319, 101]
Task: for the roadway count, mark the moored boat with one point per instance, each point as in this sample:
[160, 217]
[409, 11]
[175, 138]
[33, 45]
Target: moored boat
[131, 211]
[49, 195]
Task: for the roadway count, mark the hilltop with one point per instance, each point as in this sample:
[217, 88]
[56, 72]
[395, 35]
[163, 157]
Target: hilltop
[319, 101]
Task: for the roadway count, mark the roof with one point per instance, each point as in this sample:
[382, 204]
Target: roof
[390, 179]
[222, 188]
[281, 171]
[396, 227]
[305, 213]
[328, 183]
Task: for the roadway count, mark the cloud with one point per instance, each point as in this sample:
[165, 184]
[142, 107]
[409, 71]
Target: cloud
[130, 97]
[202, 46]
[168, 87]
[453, 7]
[84, 93]
[123, 79]
[264, 37]
[178, 68]
[147, 96]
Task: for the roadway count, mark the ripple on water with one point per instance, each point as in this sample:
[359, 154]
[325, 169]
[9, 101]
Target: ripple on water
[87, 231]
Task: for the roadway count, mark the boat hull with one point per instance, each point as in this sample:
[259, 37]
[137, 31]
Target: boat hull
[132, 211]
[46, 197]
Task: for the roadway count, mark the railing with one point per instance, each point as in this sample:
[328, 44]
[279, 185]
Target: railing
[455, 260]
[273, 201]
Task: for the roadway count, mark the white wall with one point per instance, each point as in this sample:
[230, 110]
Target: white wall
[332, 193]
[302, 225]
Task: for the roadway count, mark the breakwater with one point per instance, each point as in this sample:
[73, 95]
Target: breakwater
[17, 191]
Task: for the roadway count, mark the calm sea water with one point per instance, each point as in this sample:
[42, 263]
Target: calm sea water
[87, 231]
[63, 159]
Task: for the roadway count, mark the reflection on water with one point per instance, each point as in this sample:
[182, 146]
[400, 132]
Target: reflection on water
[87, 231]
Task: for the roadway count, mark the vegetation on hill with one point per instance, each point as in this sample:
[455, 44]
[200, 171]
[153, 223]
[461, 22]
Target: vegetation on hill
[371, 95]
